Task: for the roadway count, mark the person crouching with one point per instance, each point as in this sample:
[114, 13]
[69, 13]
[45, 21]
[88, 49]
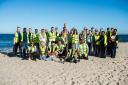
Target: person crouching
[52, 52]
[32, 51]
[62, 53]
[83, 50]
[42, 51]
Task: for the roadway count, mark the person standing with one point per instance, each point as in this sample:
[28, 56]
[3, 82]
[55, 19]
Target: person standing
[75, 39]
[57, 34]
[17, 41]
[89, 42]
[113, 44]
[51, 36]
[25, 42]
[97, 42]
[36, 39]
[108, 34]
[75, 43]
[103, 43]
[69, 43]
[117, 37]
[93, 45]
[30, 36]
[42, 36]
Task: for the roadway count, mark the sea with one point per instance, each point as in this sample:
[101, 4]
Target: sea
[6, 41]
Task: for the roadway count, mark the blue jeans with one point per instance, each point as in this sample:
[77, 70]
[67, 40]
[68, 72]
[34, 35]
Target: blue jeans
[75, 46]
[90, 48]
[25, 49]
[52, 58]
[43, 57]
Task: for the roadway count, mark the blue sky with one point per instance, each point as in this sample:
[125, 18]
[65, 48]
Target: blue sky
[76, 13]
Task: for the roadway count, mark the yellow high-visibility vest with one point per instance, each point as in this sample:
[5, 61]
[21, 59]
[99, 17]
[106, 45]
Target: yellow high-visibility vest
[43, 49]
[60, 47]
[36, 38]
[96, 38]
[51, 36]
[31, 37]
[105, 40]
[64, 39]
[23, 36]
[52, 48]
[16, 37]
[75, 39]
[32, 49]
[83, 49]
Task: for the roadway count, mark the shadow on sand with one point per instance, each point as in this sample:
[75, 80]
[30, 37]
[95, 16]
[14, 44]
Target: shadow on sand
[10, 54]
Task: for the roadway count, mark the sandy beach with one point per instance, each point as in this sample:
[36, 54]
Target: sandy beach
[95, 71]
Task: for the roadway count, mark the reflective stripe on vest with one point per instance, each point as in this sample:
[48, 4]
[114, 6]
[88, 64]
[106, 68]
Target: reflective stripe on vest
[96, 38]
[36, 38]
[64, 39]
[60, 47]
[52, 36]
[53, 49]
[23, 37]
[83, 49]
[75, 39]
[105, 40]
[16, 38]
[31, 37]
[32, 49]
[42, 49]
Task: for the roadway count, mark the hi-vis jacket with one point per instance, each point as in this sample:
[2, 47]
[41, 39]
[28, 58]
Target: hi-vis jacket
[16, 37]
[51, 36]
[83, 49]
[75, 39]
[32, 49]
[43, 50]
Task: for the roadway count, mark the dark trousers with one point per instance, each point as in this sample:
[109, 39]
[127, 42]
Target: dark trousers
[94, 48]
[102, 51]
[63, 54]
[37, 49]
[16, 47]
[25, 54]
[37, 46]
[33, 56]
[97, 51]
[113, 50]
[108, 49]
[90, 49]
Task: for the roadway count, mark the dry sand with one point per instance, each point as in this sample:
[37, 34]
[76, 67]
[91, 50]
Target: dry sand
[95, 71]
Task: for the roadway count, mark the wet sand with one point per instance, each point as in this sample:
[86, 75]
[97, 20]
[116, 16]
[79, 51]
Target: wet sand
[95, 71]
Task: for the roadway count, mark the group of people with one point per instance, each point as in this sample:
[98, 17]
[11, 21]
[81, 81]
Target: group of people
[66, 45]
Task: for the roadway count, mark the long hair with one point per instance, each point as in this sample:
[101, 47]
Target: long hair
[75, 31]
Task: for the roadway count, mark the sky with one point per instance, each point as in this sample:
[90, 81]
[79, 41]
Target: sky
[39, 14]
